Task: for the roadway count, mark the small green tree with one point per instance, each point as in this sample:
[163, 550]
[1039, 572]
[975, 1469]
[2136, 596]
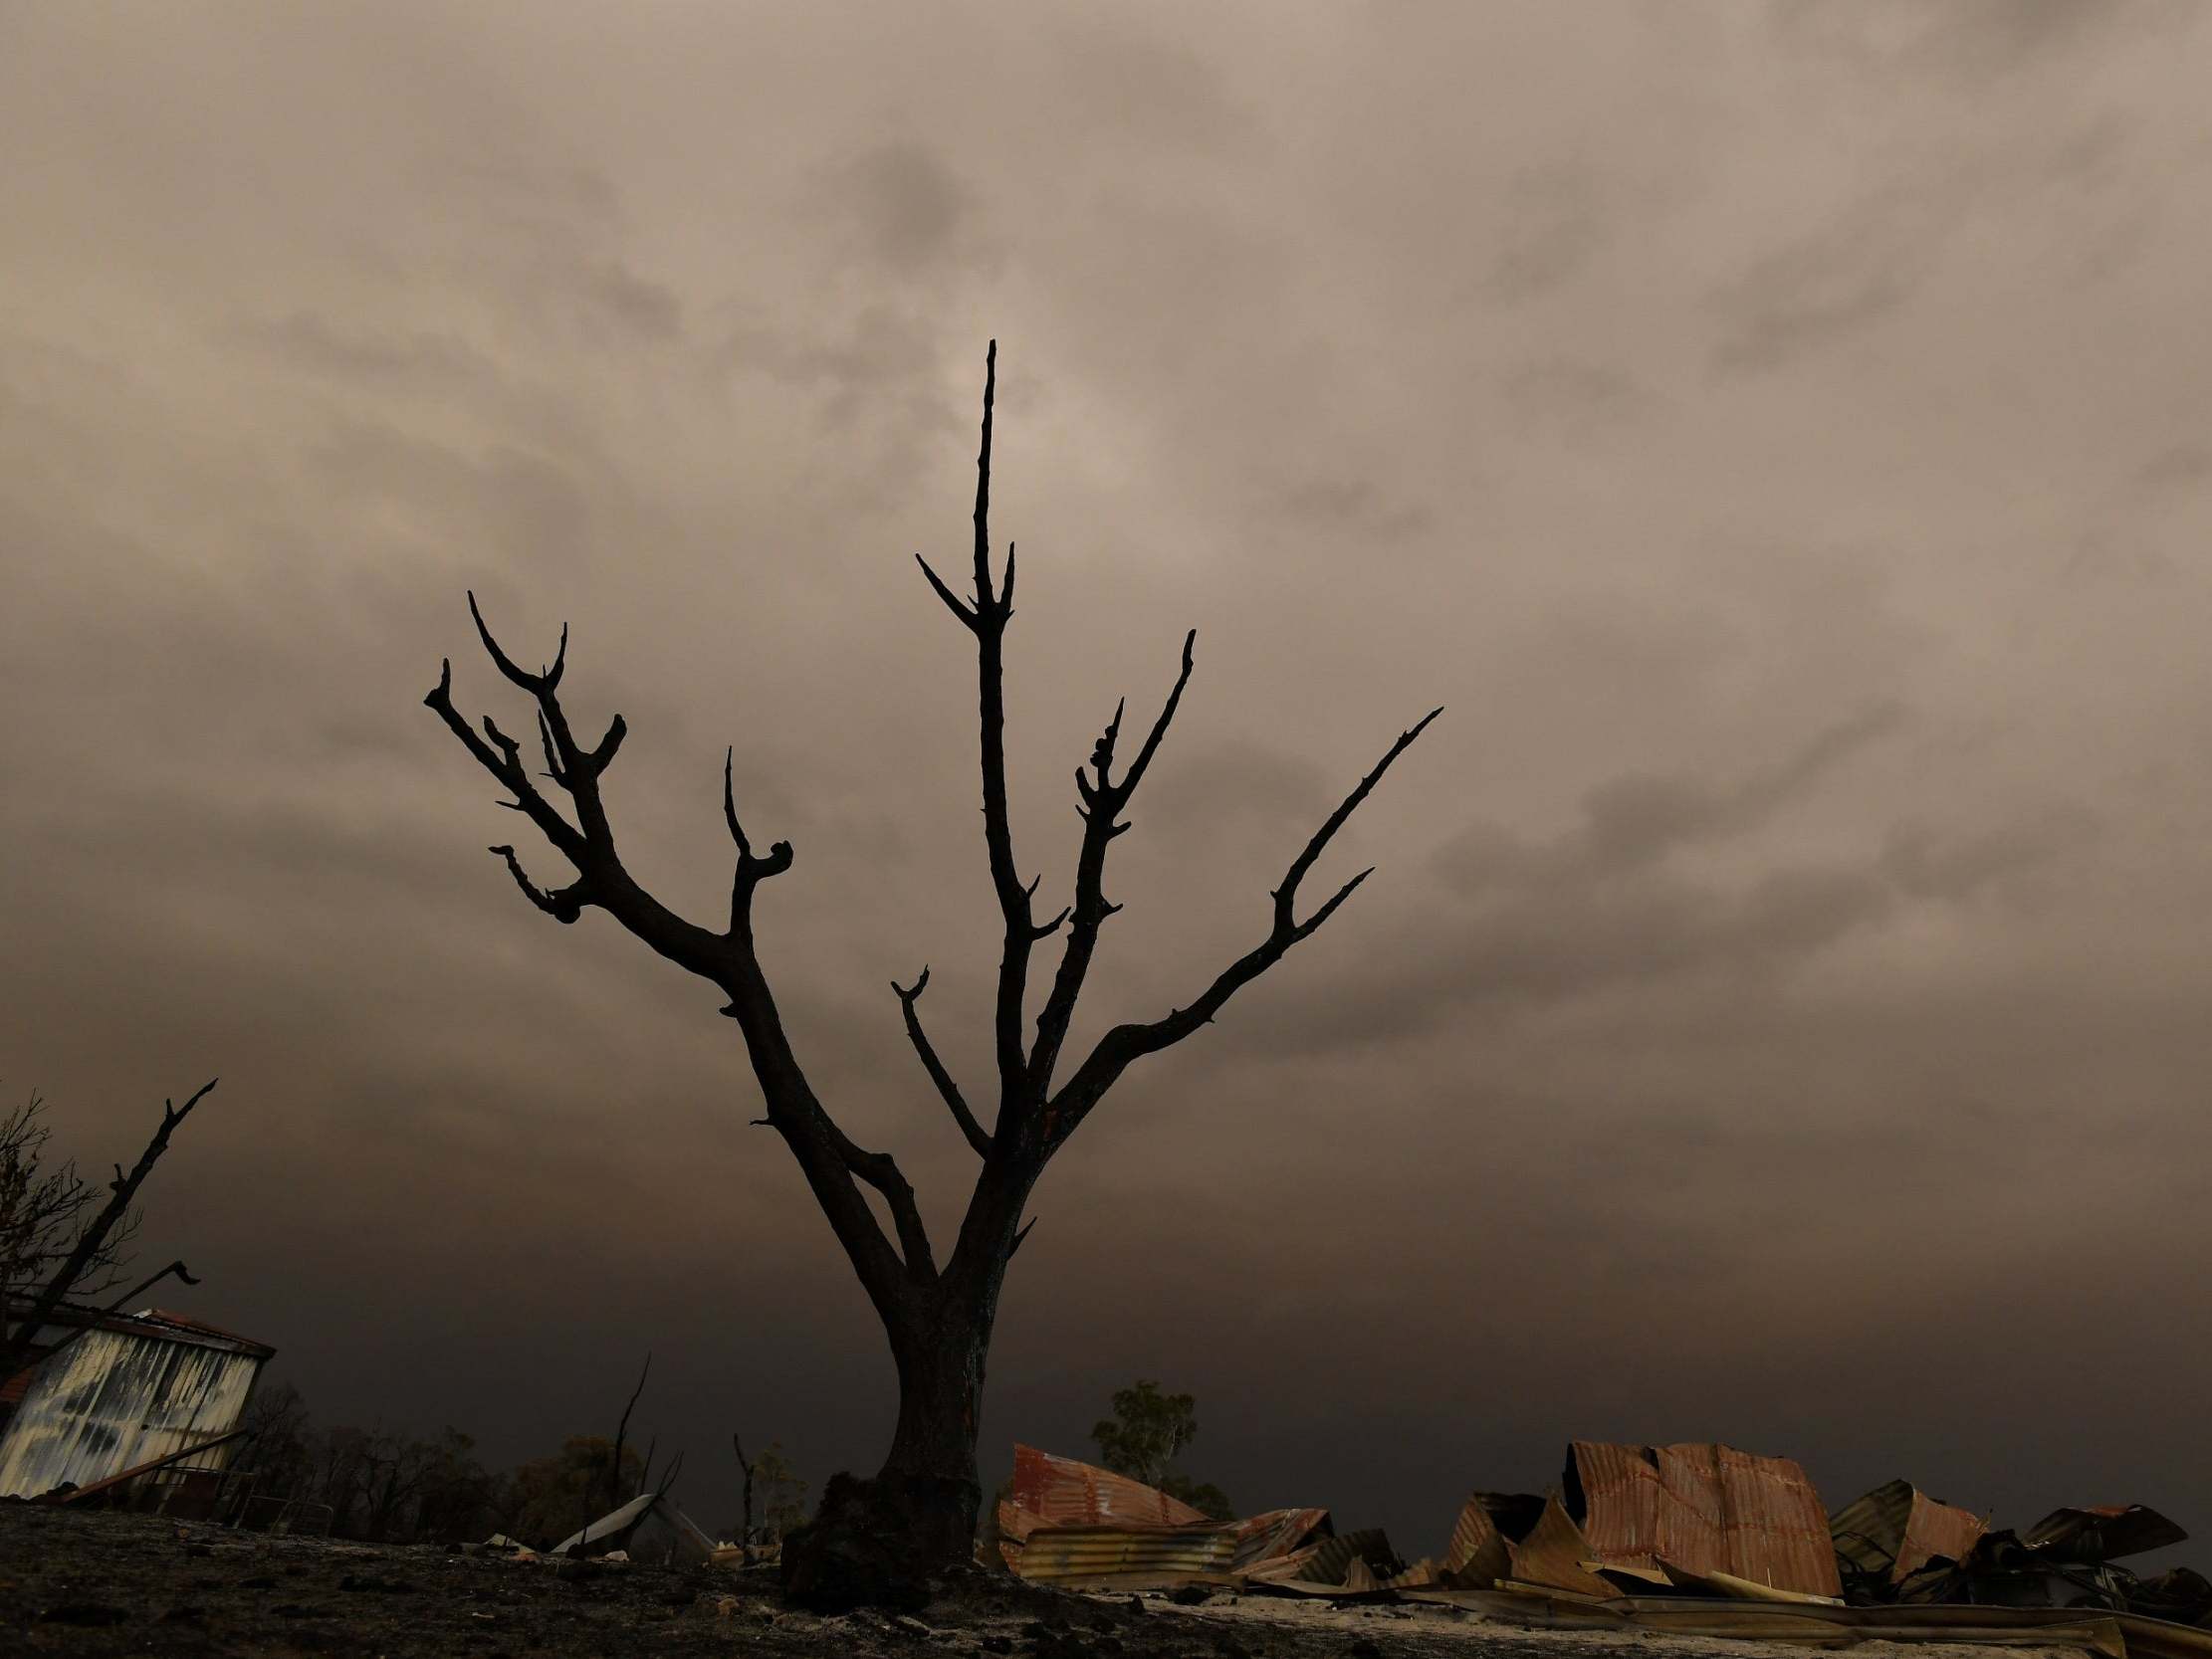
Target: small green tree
[783, 1493]
[1143, 1438]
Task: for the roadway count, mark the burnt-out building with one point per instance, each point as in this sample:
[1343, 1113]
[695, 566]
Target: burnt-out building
[110, 1391]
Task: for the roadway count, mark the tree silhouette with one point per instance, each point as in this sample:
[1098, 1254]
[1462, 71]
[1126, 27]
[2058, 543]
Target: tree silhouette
[873, 1540]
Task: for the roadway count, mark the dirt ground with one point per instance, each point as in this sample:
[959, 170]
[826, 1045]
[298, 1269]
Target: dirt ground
[91, 1586]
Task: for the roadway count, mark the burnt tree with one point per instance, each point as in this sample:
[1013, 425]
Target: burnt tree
[920, 1510]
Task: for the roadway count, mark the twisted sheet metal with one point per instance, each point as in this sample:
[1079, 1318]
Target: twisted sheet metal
[1067, 1520]
[1053, 1490]
[117, 1398]
[1705, 1508]
[1274, 1534]
[1054, 1552]
[1898, 1529]
[1475, 1555]
[1553, 1554]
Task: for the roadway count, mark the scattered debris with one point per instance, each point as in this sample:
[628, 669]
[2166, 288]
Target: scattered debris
[649, 1527]
[1696, 1539]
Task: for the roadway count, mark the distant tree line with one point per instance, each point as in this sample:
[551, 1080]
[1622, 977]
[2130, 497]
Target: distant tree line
[385, 1485]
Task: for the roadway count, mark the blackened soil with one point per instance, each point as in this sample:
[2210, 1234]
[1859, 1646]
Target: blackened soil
[93, 1584]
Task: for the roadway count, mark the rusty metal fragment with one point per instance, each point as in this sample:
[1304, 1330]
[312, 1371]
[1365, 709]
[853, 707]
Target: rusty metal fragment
[1554, 1555]
[1887, 1535]
[1071, 1522]
[1705, 1508]
[2101, 1533]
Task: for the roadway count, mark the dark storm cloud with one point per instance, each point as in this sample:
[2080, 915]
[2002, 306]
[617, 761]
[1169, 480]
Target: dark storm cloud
[1827, 286]
[1384, 358]
[1633, 821]
[908, 205]
[1552, 225]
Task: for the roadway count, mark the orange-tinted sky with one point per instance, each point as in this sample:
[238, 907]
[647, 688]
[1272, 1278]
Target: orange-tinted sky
[1778, 434]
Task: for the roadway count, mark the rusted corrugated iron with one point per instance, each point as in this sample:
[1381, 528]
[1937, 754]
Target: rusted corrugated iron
[1777, 1527]
[1613, 1494]
[1705, 1508]
[1553, 1554]
[1053, 1490]
[1896, 1528]
[1068, 1520]
[1064, 1553]
[126, 1390]
[1274, 1533]
[1476, 1553]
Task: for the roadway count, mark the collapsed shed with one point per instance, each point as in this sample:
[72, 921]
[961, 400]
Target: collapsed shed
[114, 1391]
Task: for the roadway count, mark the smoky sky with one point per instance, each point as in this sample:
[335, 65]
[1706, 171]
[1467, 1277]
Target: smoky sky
[1778, 435]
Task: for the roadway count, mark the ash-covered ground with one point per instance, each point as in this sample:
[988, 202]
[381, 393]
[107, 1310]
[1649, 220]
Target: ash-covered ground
[91, 1584]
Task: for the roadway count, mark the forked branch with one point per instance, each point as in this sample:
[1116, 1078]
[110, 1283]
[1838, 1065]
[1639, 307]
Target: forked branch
[985, 618]
[1124, 1044]
[947, 1089]
[830, 1159]
[1103, 801]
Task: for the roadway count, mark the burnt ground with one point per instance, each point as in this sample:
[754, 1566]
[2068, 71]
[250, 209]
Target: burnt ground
[91, 1586]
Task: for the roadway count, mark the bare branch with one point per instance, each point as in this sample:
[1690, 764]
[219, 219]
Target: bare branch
[985, 604]
[1103, 800]
[1286, 894]
[750, 871]
[621, 1430]
[546, 681]
[830, 1161]
[952, 603]
[947, 1089]
[881, 1172]
[1124, 1044]
[95, 1239]
[563, 904]
[1159, 726]
[987, 620]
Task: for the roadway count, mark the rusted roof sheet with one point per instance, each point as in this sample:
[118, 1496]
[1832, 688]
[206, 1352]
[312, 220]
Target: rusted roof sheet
[1476, 1553]
[1067, 1520]
[1705, 1508]
[1896, 1528]
[1553, 1553]
[1060, 1553]
[1274, 1534]
[1053, 1490]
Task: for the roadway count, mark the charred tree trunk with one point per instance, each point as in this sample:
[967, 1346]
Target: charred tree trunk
[879, 1539]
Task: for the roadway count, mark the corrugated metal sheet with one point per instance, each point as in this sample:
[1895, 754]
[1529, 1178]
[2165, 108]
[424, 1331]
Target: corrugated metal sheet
[1896, 1528]
[116, 1397]
[1476, 1553]
[1053, 1490]
[1553, 1554]
[1065, 1520]
[1705, 1508]
[2101, 1531]
[1616, 1492]
[1274, 1533]
[1937, 1529]
[1054, 1552]
[1868, 1532]
[1777, 1527]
